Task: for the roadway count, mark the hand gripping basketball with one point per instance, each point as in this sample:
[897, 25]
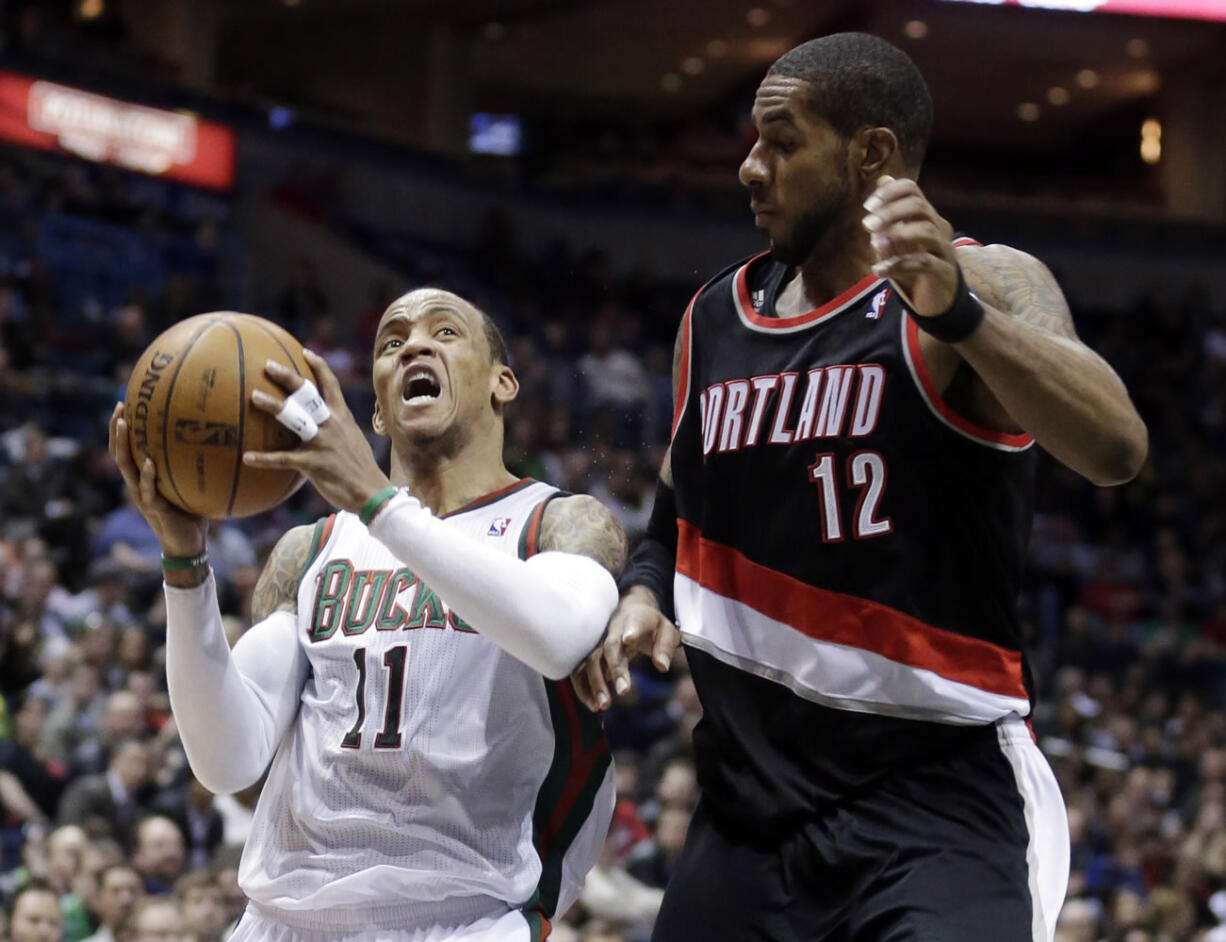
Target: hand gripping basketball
[304, 411]
[334, 454]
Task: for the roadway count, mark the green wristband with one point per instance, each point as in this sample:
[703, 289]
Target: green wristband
[375, 504]
[185, 562]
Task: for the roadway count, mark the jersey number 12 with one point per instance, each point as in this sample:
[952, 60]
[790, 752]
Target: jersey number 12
[866, 473]
[389, 736]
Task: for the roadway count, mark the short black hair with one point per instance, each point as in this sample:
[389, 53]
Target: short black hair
[858, 80]
[498, 344]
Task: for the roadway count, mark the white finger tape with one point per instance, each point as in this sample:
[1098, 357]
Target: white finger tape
[308, 396]
[296, 419]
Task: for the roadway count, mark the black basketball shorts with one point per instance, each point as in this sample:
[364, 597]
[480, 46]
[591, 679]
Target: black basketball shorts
[967, 848]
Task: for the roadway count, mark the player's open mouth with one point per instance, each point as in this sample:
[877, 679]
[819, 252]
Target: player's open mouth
[421, 385]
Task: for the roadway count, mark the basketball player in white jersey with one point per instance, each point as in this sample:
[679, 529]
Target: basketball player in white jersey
[433, 775]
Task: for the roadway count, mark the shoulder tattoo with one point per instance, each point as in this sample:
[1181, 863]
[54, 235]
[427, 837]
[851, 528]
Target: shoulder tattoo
[277, 588]
[583, 525]
[1019, 285]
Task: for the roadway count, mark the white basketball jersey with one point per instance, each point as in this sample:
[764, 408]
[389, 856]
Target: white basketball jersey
[430, 778]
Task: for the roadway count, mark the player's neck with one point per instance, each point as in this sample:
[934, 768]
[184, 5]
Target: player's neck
[446, 482]
[831, 269]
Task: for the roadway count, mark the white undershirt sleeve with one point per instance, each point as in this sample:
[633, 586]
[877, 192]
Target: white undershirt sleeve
[232, 708]
[548, 611]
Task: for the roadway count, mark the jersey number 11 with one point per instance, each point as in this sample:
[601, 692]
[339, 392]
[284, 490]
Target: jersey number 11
[389, 736]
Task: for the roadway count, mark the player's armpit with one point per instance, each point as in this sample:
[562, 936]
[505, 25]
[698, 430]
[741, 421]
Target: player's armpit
[1017, 284]
[666, 467]
[277, 588]
[583, 525]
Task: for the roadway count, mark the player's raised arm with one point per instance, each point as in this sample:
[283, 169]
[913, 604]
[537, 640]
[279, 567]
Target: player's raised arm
[1017, 335]
[231, 709]
[1048, 381]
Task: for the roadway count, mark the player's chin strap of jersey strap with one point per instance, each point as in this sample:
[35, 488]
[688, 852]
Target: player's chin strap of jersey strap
[654, 561]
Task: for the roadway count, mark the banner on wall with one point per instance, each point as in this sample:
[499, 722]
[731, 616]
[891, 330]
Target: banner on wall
[1175, 9]
[172, 144]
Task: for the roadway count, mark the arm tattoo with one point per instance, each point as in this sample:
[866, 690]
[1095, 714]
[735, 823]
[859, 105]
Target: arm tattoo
[583, 525]
[1019, 285]
[277, 588]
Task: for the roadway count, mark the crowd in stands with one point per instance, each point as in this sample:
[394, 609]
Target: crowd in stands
[104, 833]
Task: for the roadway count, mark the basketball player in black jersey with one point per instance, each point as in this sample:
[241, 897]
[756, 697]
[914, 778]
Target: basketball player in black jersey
[840, 529]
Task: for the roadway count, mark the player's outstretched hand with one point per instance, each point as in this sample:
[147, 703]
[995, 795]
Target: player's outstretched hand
[334, 454]
[180, 533]
[913, 245]
[637, 626]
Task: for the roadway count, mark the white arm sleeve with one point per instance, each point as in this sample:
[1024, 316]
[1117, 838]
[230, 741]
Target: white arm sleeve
[232, 708]
[548, 611]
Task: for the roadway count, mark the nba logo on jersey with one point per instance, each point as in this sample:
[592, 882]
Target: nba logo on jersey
[499, 526]
[758, 299]
[877, 305]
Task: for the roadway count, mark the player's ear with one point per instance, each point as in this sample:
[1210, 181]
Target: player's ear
[503, 385]
[376, 421]
[874, 151]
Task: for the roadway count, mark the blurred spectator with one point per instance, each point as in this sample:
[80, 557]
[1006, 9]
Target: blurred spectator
[237, 812]
[34, 486]
[76, 717]
[655, 868]
[191, 808]
[233, 901]
[200, 905]
[119, 890]
[303, 299]
[30, 784]
[34, 915]
[105, 594]
[122, 718]
[158, 853]
[614, 376]
[106, 804]
[65, 855]
[1077, 921]
[613, 895]
[599, 931]
[126, 537]
[155, 919]
[322, 338]
[33, 615]
[626, 492]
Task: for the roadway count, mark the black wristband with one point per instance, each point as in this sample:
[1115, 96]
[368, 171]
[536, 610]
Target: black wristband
[959, 319]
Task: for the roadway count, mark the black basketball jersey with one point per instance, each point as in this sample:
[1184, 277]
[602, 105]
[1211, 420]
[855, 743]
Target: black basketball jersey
[850, 548]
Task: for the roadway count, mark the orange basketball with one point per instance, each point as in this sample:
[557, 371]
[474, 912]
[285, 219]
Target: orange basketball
[188, 405]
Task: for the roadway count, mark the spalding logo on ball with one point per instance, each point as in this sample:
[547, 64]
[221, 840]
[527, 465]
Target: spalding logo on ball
[189, 407]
